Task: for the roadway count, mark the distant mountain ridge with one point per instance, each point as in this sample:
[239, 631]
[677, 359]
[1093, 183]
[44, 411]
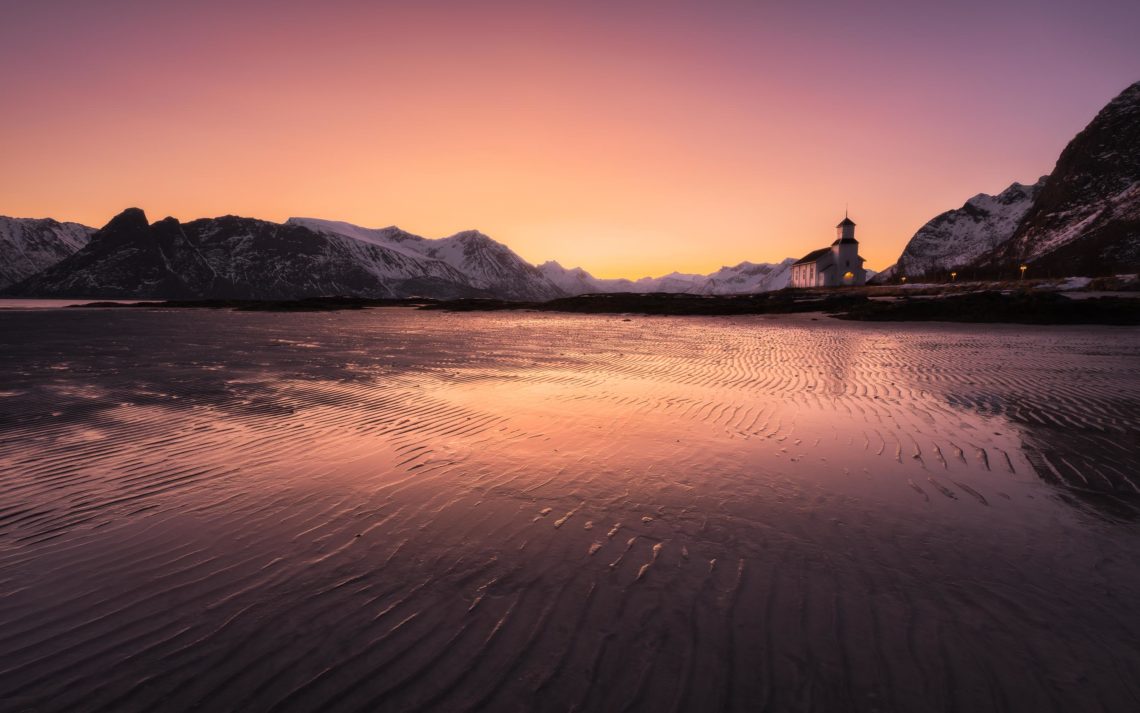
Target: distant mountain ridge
[493, 267]
[231, 257]
[743, 278]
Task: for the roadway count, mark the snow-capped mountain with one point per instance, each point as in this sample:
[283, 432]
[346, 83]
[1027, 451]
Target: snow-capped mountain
[29, 245]
[749, 277]
[487, 265]
[746, 277]
[1081, 219]
[1086, 219]
[676, 282]
[576, 281]
[961, 236]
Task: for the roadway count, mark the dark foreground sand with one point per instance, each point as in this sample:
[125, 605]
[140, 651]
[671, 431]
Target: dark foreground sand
[398, 510]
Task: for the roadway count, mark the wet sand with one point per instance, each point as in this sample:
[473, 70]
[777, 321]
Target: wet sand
[399, 510]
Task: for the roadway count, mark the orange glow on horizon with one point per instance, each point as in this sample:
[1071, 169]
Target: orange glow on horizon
[628, 144]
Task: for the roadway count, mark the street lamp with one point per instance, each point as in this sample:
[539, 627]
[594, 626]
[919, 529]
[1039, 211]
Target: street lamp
[953, 277]
[904, 279]
[1023, 268]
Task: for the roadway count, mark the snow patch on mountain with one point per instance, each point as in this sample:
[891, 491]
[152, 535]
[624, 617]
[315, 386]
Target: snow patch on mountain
[483, 263]
[492, 266]
[392, 238]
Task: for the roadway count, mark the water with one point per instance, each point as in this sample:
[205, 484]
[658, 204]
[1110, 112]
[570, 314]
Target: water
[12, 303]
[400, 510]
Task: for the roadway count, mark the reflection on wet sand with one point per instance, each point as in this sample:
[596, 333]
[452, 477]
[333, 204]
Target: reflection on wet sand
[392, 510]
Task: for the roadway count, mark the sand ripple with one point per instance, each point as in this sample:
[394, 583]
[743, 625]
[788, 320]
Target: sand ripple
[392, 510]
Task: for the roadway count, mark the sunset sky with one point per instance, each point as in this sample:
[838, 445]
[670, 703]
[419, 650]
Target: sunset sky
[630, 138]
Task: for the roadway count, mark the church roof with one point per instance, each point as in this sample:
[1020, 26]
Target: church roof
[846, 222]
[845, 241]
[813, 256]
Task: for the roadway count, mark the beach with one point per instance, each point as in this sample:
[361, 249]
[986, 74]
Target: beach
[391, 509]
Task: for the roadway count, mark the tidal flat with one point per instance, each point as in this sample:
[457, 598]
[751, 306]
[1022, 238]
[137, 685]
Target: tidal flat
[399, 510]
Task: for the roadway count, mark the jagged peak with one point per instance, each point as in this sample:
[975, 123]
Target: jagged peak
[129, 219]
[554, 265]
[1012, 191]
[1128, 99]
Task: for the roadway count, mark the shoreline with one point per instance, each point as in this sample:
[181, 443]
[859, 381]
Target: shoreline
[859, 304]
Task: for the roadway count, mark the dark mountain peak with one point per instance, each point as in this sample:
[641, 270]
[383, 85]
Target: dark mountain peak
[1127, 101]
[1017, 191]
[127, 228]
[1109, 141]
[131, 219]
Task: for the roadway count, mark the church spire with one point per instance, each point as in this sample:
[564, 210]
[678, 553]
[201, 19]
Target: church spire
[845, 231]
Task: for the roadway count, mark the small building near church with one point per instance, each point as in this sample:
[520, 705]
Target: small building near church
[835, 266]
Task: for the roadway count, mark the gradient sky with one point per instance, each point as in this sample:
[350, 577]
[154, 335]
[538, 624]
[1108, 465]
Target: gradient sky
[630, 138]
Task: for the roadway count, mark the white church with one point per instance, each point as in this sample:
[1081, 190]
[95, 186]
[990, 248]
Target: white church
[836, 266]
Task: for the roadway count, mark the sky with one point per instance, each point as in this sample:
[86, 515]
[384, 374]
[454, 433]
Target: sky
[629, 138]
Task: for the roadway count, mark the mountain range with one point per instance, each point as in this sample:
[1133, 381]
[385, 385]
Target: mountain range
[231, 257]
[744, 278]
[1081, 219]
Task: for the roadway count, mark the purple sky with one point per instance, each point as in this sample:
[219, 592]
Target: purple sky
[628, 137]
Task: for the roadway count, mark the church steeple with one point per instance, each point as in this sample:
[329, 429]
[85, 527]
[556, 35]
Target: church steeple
[845, 231]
